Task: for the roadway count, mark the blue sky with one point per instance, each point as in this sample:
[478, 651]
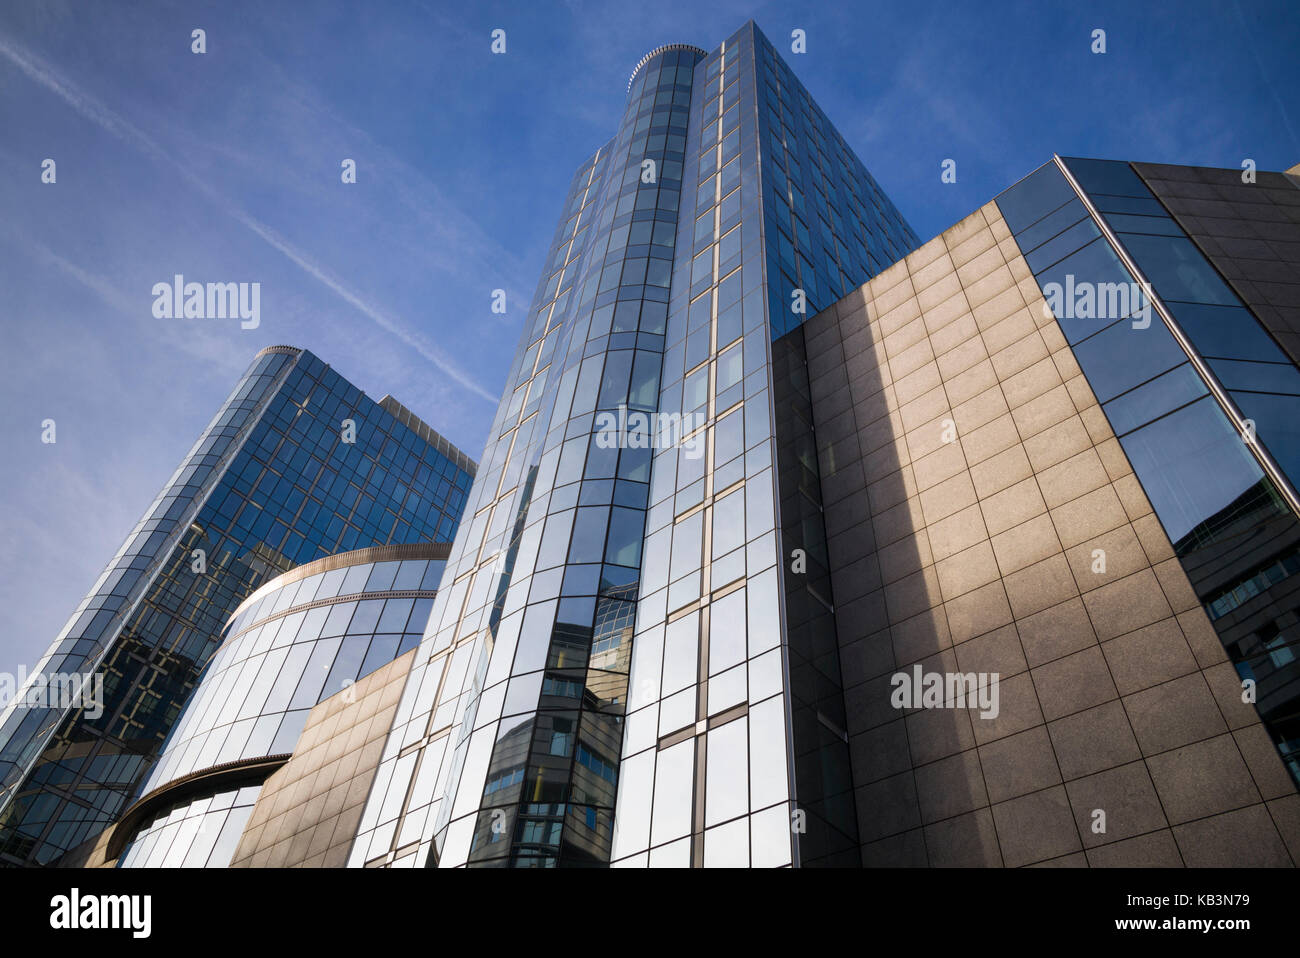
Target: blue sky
[225, 167]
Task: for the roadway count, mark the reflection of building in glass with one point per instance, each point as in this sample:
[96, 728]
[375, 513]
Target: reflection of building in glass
[270, 484]
[612, 618]
[1053, 450]
[306, 637]
[1071, 499]
[922, 474]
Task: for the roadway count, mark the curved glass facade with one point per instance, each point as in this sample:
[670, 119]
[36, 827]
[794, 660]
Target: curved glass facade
[198, 833]
[298, 640]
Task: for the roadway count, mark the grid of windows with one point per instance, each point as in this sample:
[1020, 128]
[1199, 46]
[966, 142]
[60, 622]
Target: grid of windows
[708, 768]
[542, 582]
[604, 605]
[828, 226]
[707, 670]
[271, 483]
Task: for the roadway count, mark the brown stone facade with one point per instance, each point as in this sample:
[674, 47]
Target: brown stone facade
[983, 518]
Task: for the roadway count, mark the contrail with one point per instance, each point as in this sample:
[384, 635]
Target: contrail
[126, 131]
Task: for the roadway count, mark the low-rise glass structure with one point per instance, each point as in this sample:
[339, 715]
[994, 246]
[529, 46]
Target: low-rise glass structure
[302, 638]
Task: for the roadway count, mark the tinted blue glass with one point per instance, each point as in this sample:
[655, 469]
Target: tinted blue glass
[625, 530]
[1177, 269]
[588, 542]
[346, 665]
[1126, 223]
[1034, 197]
[1106, 176]
[383, 649]
[1061, 246]
[1277, 423]
[396, 612]
[1120, 357]
[1095, 264]
[366, 615]
[1170, 457]
[1257, 377]
[1052, 224]
[1173, 389]
[1225, 331]
[1128, 204]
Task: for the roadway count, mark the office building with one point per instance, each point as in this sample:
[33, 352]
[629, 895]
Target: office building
[297, 465]
[1036, 467]
[304, 684]
[797, 542]
[722, 537]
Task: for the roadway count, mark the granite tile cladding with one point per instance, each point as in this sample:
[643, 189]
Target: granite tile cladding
[982, 518]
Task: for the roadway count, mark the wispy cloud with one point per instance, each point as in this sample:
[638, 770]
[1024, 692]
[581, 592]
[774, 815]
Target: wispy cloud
[122, 128]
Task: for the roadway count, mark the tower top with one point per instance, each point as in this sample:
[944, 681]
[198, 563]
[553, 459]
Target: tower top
[658, 50]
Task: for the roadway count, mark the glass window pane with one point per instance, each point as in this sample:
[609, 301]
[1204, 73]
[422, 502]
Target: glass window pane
[1257, 377]
[727, 759]
[727, 640]
[1126, 223]
[1175, 388]
[1083, 232]
[337, 621]
[729, 523]
[355, 580]
[613, 387]
[409, 575]
[1177, 269]
[588, 544]
[674, 781]
[1052, 224]
[382, 651]
[366, 617]
[1277, 423]
[1226, 331]
[625, 529]
[1095, 264]
[1037, 194]
[1106, 176]
[1169, 457]
[396, 612]
[1128, 204]
[1120, 357]
[681, 653]
[381, 579]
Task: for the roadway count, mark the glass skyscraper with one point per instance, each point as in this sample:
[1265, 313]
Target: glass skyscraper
[615, 631]
[798, 542]
[764, 459]
[297, 464]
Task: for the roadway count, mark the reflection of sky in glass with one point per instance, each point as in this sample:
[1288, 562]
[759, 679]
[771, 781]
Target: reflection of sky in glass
[1192, 464]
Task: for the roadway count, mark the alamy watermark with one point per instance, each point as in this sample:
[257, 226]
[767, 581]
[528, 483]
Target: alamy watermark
[1108, 301]
[74, 911]
[945, 690]
[55, 690]
[181, 300]
[651, 430]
